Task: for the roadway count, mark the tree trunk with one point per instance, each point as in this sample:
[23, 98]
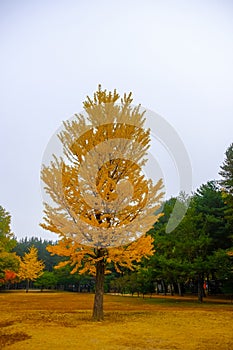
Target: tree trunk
[98, 311]
[27, 285]
[164, 287]
[208, 285]
[200, 288]
[172, 289]
[180, 289]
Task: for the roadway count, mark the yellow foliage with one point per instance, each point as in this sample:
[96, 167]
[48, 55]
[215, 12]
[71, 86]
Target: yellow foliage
[100, 194]
[103, 203]
[30, 267]
[84, 258]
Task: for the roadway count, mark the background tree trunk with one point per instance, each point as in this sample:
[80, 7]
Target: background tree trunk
[200, 288]
[98, 311]
[27, 285]
[180, 289]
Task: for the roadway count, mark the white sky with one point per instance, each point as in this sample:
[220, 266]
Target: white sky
[175, 56]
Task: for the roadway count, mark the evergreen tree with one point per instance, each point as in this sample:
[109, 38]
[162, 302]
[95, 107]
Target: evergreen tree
[227, 185]
[227, 171]
[209, 202]
[193, 251]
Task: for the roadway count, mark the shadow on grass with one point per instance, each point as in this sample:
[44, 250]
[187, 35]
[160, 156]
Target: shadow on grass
[8, 338]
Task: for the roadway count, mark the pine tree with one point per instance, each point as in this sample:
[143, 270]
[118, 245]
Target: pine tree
[227, 171]
[227, 185]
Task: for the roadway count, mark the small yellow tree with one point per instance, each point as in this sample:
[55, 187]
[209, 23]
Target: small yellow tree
[30, 267]
[103, 205]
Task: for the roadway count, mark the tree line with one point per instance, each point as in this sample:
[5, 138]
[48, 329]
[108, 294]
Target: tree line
[196, 257]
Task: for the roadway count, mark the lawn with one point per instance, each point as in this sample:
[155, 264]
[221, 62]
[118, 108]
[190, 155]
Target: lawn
[63, 321]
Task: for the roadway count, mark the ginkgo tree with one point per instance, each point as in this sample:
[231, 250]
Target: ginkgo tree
[102, 203]
[30, 267]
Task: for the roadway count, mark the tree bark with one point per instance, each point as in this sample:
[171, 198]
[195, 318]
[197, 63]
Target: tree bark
[180, 289]
[172, 289]
[98, 310]
[164, 288]
[27, 285]
[200, 288]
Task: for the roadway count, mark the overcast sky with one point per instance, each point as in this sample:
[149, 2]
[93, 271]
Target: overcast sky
[175, 56]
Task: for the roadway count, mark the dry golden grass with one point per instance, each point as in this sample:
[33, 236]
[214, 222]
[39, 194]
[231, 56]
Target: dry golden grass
[63, 321]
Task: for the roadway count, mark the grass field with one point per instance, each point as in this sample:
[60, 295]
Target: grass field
[63, 321]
